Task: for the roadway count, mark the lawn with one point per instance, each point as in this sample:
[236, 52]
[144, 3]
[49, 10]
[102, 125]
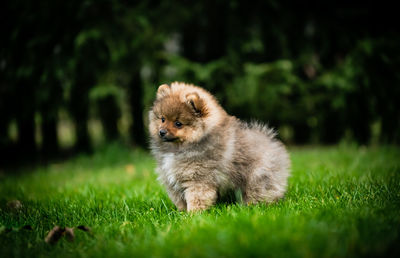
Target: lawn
[343, 201]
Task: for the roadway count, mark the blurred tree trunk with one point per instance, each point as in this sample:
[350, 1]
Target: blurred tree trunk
[359, 116]
[3, 132]
[332, 128]
[301, 133]
[205, 40]
[26, 120]
[390, 118]
[4, 122]
[204, 37]
[26, 133]
[384, 80]
[190, 40]
[390, 128]
[49, 111]
[215, 34]
[109, 113]
[49, 133]
[92, 60]
[79, 106]
[135, 92]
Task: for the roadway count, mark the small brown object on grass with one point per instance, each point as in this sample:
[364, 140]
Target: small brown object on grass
[54, 235]
[69, 234]
[14, 205]
[57, 233]
[84, 228]
[27, 227]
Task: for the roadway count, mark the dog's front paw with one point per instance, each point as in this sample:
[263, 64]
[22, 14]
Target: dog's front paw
[200, 197]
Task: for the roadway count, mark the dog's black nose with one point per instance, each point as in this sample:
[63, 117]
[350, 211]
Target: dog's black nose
[163, 132]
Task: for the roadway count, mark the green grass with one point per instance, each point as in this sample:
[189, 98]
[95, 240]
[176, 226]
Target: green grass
[342, 201]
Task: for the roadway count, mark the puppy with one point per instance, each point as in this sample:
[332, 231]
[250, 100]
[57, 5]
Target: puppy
[203, 153]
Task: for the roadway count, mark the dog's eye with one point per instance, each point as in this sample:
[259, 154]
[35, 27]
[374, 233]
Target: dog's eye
[178, 124]
[162, 119]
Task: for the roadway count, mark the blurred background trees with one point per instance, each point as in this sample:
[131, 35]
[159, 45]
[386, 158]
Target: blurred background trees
[75, 74]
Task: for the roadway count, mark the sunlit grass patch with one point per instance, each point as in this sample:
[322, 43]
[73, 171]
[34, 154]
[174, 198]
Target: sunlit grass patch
[342, 201]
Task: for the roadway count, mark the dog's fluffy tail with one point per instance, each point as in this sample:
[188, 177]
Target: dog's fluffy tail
[262, 128]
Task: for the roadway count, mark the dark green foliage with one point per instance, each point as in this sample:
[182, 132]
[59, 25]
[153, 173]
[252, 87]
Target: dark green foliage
[318, 72]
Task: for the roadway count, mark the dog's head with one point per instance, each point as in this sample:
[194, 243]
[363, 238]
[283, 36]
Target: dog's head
[178, 114]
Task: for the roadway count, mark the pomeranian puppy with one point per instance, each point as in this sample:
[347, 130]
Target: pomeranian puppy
[203, 153]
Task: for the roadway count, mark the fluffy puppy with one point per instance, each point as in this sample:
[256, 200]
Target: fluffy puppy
[203, 153]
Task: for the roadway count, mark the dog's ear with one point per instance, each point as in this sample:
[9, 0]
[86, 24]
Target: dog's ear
[197, 104]
[163, 91]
